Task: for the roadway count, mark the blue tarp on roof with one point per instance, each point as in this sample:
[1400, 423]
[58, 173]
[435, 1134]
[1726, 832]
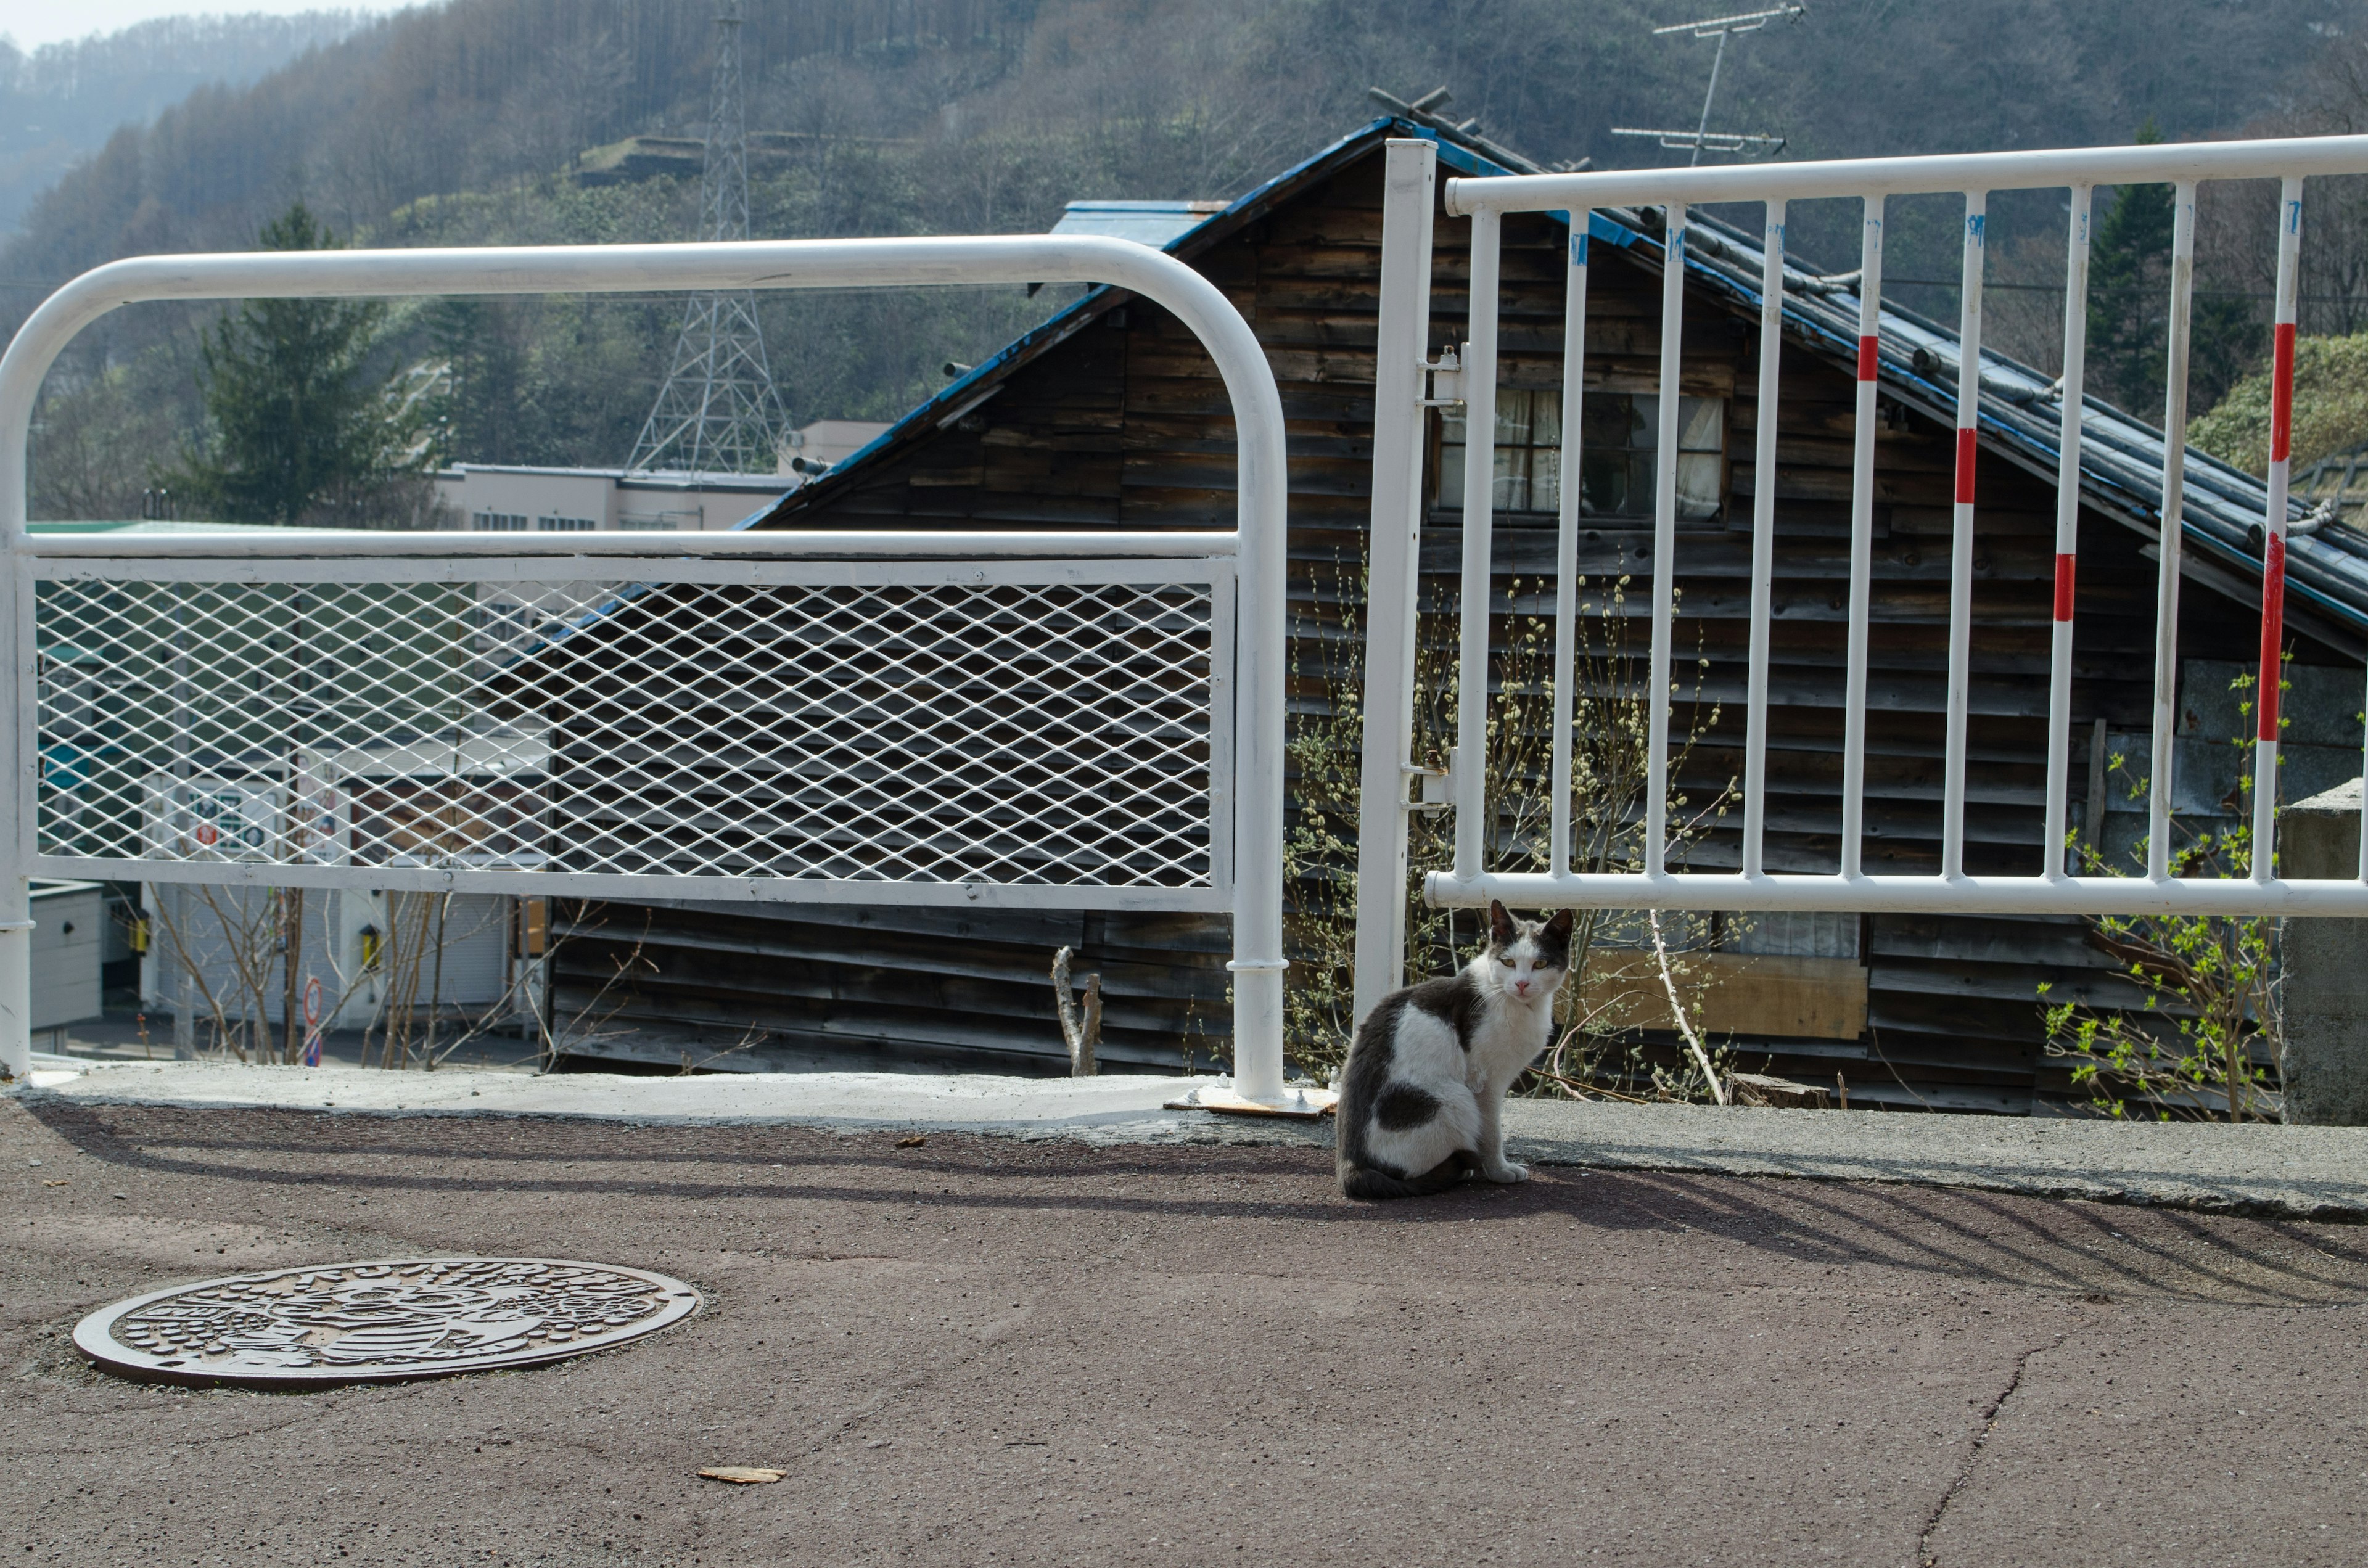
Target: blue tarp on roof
[1153, 224]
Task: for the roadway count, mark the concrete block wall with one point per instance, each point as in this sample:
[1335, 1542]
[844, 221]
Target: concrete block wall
[2325, 1061]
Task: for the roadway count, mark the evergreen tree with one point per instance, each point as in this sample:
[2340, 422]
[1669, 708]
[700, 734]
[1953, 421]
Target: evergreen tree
[292, 419]
[2129, 309]
[489, 409]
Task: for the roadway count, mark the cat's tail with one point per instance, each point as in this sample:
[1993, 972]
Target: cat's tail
[1365, 1182]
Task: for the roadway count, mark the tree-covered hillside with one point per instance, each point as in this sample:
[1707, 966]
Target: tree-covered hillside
[61, 102]
[477, 121]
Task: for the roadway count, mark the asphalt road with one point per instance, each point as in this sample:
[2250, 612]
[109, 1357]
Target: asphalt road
[984, 1351]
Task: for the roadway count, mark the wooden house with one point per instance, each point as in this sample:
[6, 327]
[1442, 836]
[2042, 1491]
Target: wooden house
[1109, 415]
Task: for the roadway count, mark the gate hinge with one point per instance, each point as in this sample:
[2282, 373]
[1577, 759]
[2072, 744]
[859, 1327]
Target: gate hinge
[1437, 786]
[1443, 379]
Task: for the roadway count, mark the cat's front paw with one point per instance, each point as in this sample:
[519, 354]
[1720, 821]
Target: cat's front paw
[1507, 1172]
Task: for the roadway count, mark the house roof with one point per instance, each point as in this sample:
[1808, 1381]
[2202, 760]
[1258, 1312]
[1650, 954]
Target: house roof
[2121, 455]
[2021, 417]
[983, 380]
[637, 479]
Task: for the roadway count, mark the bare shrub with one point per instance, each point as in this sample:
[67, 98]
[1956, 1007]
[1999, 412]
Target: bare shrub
[1610, 760]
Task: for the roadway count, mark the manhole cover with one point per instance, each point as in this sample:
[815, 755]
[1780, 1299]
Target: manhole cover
[380, 1322]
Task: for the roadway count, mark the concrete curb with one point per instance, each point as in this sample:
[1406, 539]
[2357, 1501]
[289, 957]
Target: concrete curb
[2319, 1172]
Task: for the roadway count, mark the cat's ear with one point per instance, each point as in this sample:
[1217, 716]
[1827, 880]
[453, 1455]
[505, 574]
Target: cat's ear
[1500, 923]
[1558, 929]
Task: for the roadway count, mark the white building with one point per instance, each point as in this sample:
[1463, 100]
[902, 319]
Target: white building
[516, 498]
[520, 498]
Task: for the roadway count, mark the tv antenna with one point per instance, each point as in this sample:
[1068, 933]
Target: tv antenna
[1702, 137]
[717, 412]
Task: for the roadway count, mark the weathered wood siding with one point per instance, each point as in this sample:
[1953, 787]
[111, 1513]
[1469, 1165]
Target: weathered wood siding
[730, 986]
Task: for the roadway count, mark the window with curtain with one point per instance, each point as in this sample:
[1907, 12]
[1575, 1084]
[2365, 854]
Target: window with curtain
[1620, 435]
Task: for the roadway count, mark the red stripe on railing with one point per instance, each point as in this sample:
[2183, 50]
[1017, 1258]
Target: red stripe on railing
[1866, 359]
[2273, 619]
[2063, 587]
[1965, 468]
[2281, 393]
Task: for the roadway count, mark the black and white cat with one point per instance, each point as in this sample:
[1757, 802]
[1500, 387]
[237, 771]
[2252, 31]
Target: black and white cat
[1422, 1096]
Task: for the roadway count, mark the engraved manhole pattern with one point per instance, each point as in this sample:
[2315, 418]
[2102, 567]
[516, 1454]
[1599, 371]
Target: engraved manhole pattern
[382, 1321]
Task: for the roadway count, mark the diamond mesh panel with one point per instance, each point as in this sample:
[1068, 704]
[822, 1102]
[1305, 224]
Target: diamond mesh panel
[960, 726]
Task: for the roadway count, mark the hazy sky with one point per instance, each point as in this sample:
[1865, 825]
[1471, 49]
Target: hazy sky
[36, 22]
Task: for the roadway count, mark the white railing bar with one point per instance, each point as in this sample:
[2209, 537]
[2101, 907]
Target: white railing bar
[1862, 566]
[19, 733]
[2159, 164]
[807, 544]
[1566, 668]
[1224, 784]
[1260, 489]
[1961, 553]
[1479, 523]
[1763, 540]
[1665, 541]
[2067, 537]
[2266, 699]
[1904, 895]
[795, 572]
[1196, 897]
[2174, 501]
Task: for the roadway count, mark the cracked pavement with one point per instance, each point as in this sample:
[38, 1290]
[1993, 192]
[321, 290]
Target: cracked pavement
[987, 1350]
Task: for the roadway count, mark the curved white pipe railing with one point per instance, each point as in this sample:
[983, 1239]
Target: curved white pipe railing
[1255, 787]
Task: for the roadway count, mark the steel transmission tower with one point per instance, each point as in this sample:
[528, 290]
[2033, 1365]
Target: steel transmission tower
[717, 412]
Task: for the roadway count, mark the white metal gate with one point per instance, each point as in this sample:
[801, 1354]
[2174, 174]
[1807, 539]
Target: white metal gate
[998, 719]
[1406, 384]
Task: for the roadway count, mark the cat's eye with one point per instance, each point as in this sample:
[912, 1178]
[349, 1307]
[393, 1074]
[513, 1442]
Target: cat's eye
[1507, 963]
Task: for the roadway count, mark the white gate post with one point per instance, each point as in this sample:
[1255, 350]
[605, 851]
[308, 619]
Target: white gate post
[1392, 571]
